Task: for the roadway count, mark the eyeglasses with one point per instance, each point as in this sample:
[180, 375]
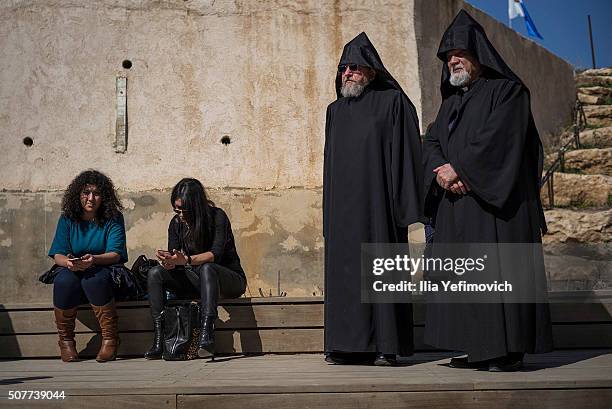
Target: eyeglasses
[180, 211]
[86, 193]
[352, 67]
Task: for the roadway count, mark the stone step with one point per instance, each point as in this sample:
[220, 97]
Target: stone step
[599, 91]
[578, 226]
[577, 190]
[593, 80]
[590, 138]
[592, 99]
[598, 71]
[598, 115]
[589, 161]
[597, 138]
[578, 266]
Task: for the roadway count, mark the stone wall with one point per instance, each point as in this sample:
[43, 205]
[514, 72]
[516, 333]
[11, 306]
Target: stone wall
[259, 73]
[276, 232]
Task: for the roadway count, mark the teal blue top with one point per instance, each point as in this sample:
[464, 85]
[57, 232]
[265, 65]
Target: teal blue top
[80, 238]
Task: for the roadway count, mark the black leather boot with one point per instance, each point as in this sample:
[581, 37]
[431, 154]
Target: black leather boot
[158, 340]
[206, 343]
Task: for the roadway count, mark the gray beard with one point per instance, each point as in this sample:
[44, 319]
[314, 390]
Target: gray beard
[460, 79]
[353, 89]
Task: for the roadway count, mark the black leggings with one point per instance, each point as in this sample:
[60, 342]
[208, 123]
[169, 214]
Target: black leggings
[209, 280]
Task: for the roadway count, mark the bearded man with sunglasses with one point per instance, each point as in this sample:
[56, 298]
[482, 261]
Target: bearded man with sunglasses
[372, 191]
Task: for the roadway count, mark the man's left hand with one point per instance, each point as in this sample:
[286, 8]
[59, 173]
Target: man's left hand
[446, 176]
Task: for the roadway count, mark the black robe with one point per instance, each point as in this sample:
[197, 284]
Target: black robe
[371, 193]
[488, 135]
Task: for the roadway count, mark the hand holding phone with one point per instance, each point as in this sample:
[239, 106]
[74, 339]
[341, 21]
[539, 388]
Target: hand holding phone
[164, 253]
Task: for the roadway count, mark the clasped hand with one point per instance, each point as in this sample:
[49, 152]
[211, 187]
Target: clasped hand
[171, 259]
[448, 179]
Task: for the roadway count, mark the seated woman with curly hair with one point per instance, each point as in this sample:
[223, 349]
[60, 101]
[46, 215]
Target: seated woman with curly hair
[89, 239]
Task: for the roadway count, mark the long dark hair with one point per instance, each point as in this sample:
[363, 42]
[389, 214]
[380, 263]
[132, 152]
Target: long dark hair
[71, 202]
[198, 213]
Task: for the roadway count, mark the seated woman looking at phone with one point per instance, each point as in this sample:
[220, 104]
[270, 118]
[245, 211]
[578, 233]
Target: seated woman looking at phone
[90, 237]
[201, 261]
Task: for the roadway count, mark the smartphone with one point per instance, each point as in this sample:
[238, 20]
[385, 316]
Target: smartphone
[165, 253]
[75, 259]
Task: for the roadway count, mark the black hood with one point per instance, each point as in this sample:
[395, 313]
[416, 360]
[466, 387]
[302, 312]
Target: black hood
[360, 51]
[465, 33]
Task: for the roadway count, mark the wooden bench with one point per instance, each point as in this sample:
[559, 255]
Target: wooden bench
[270, 325]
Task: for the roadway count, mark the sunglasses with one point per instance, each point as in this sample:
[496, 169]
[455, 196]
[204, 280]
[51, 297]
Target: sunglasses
[180, 211]
[352, 67]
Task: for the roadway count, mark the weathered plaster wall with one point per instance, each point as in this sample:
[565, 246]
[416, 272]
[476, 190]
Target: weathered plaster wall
[275, 232]
[261, 72]
[549, 78]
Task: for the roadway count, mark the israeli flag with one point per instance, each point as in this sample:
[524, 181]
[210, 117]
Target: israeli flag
[516, 8]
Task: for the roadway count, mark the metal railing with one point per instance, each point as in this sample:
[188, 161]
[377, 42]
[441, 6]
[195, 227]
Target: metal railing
[580, 123]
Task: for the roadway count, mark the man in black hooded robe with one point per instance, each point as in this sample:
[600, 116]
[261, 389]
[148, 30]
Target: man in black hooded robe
[483, 162]
[372, 191]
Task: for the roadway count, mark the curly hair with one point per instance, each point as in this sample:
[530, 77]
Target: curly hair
[71, 202]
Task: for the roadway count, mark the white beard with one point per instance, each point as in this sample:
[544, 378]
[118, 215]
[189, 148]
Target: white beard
[353, 89]
[459, 79]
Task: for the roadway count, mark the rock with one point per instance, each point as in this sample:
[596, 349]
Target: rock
[599, 115]
[597, 72]
[599, 91]
[571, 273]
[589, 138]
[578, 266]
[597, 138]
[591, 99]
[578, 226]
[591, 81]
[589, 161]
[572, 189]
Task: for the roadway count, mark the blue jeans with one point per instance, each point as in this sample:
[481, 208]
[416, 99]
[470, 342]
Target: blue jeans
[93, 286]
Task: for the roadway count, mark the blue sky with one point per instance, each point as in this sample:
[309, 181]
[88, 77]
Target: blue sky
[564, 26]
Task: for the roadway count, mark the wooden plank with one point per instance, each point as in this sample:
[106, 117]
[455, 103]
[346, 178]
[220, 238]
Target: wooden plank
[231, 301]
[136, 343]
[582, 336]
[597, 296]
[287, 340]
[516, 399]
[244, 316]
[581, 312]
[95, 402]
[139, 319]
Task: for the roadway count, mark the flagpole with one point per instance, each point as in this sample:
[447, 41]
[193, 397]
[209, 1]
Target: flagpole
[591, 40]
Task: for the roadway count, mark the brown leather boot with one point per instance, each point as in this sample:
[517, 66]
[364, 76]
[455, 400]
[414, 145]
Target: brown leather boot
[108, 319]
[64, 320]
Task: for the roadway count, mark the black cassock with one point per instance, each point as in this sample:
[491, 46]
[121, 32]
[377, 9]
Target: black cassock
[371, 193]
[488, 135]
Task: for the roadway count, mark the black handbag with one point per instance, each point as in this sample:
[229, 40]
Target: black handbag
[181, 331]
[49, 276]
[140, 270]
